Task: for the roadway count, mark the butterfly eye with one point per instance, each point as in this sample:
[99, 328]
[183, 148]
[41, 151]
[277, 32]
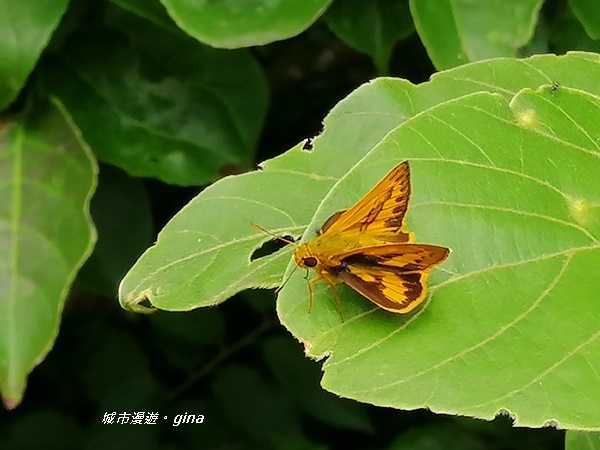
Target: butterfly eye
[310, 261]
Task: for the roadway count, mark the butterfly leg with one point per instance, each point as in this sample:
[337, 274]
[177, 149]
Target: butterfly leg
[324, 276]
[310, 291]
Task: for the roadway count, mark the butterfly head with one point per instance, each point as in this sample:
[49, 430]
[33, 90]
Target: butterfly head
[304, 258]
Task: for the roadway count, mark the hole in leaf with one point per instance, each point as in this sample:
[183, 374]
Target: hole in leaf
[308, 144]
[146, 303]
[270, 247]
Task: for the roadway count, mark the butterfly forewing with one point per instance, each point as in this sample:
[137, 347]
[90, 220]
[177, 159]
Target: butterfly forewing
[380, 213]
[406, 257]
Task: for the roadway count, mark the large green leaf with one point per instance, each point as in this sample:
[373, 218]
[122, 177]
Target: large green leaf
[244, 24]
[455, 32]
[504, 173]
[26, 29]
[518, 203]
[47, 176]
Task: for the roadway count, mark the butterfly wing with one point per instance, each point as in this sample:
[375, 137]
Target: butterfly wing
[380, 213]
[394, 277]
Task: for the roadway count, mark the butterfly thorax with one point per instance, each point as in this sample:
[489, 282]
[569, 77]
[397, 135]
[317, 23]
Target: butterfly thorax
[324, 252]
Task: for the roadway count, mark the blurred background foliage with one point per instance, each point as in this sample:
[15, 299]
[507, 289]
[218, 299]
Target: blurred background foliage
[165, 98]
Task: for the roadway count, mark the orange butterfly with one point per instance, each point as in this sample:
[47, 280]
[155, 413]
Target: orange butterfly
[368, 248]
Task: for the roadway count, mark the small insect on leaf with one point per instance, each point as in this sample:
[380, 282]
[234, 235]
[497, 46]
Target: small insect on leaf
[369, 248]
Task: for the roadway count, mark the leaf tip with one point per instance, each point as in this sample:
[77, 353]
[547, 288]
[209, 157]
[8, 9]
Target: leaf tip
[139, 302]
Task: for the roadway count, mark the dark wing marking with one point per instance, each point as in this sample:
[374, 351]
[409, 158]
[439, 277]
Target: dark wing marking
[397, 257]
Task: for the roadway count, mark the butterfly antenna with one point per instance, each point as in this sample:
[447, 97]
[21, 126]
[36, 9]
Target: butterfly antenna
[286, 280]
[287, 241]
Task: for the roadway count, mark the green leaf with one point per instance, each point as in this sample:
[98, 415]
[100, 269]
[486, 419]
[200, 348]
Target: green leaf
[504, 172]
[567, 34]
[26, 29]
[518, 203]
[372, 27]
[455, 32]
[159, 105]
[244, 24]
[588, 13]
[47, 175]
[578, 440]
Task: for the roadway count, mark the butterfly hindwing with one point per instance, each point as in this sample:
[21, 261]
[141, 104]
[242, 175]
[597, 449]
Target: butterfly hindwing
[393, 277]
[394, 292]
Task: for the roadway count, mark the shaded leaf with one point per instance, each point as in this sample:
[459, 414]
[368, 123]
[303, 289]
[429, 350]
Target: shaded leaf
[372, 27]
[26, 29]
[588, 13]
[456, 32]
[567, 33]
[47, 176]
[159, 105]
